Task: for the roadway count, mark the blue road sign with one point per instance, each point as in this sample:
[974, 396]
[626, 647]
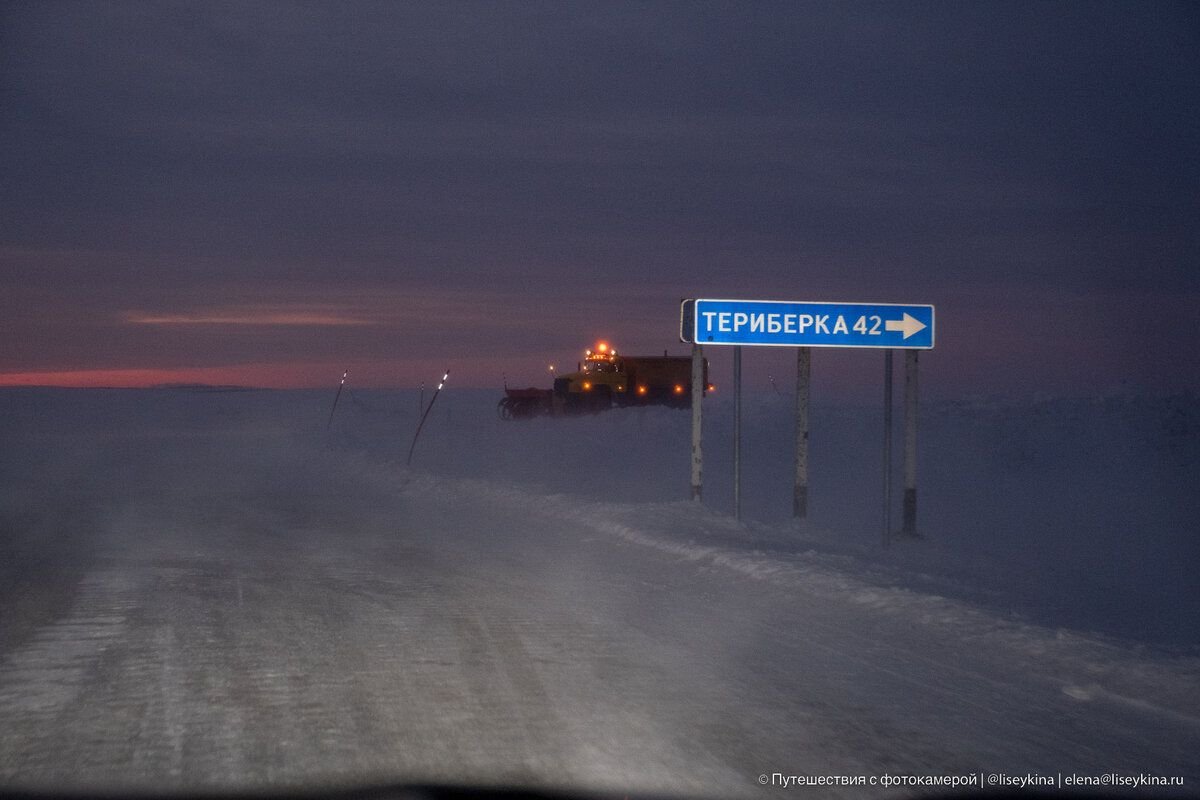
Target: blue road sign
[801, 324]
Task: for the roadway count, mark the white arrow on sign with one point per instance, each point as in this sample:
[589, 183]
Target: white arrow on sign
[909, 325]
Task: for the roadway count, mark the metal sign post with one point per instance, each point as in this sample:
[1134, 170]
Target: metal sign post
[887, 447]
[910, 443]
[737, 433]
[697, 405]
[803, 374]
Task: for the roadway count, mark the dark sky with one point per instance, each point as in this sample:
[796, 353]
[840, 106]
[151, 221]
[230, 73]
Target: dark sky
[269, 193]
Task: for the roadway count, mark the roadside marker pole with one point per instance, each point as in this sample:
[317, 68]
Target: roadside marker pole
[737, 433]
[421, 424]
[803, 374]
[697, 404]
[910, 443]
[335, 399]
[887, 447]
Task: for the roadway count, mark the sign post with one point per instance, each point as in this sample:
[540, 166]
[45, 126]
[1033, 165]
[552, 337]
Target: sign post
[887, 447]
[803, 374]
[697, 420]
[737, 433]
[910, 443]
[804, 325]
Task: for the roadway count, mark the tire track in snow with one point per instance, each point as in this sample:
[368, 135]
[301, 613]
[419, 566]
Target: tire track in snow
[48, 673]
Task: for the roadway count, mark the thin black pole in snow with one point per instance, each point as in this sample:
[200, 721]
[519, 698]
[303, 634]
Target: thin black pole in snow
[910, 442]
[335, 399]
[803, 391]
[697, 420]
[887, 447]
[421, 424]
[737, 433]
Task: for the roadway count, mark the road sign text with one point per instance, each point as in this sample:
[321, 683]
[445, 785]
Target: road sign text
[764, 322]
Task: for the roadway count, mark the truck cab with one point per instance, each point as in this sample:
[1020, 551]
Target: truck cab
[606, 378]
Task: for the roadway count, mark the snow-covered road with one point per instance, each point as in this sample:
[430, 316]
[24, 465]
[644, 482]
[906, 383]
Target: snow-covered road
[222, 610]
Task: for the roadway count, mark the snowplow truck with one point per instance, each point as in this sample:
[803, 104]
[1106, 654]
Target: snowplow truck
[606, 379]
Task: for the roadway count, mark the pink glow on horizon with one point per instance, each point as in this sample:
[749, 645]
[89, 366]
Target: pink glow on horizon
[273, 376]
[305, 375]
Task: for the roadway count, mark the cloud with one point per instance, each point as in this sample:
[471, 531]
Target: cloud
[250, 316]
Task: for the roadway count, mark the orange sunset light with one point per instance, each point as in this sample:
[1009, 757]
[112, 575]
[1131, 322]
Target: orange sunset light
[282, 376]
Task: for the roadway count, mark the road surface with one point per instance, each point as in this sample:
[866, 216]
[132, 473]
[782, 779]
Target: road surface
[223, 609]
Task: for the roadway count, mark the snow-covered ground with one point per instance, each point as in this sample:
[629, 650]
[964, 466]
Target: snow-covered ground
[1074, 513]
[211, 589]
